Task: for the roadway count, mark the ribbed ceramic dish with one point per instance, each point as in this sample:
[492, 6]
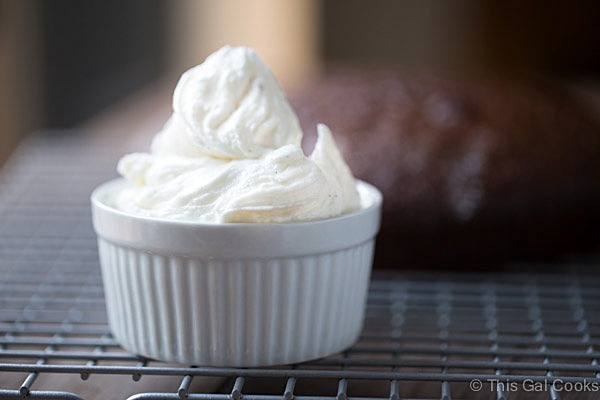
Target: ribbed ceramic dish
[235, 294]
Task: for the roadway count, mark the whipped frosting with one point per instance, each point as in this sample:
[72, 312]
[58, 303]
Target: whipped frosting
[231, 153]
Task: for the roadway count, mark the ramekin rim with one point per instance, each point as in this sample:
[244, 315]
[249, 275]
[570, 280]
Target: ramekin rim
[374, 192]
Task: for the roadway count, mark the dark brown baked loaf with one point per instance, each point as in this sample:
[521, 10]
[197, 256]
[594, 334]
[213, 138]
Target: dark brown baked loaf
[473, 172]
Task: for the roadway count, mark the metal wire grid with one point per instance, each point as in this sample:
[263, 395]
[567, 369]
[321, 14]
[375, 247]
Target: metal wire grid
[426, 335]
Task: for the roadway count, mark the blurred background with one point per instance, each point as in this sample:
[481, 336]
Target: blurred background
[100, 64]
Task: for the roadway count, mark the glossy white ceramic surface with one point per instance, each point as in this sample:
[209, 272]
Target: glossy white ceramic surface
[235, 294]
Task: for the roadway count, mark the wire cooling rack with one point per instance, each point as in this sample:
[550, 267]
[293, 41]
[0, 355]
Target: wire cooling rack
[431, 335]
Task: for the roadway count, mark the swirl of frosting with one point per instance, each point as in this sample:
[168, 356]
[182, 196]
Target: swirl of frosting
[231, 153]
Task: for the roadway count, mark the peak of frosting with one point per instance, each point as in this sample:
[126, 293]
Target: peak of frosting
[231, 106]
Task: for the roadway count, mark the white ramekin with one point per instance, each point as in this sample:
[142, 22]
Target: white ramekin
[235, 294]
